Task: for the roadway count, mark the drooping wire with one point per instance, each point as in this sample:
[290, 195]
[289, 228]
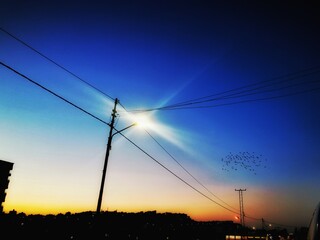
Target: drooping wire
[55, 63]
[185, 182]
[53, 93]
[81, 109]
[188, 172]
[236, 93]
[288, 77]
[239, 102]
[195, 189]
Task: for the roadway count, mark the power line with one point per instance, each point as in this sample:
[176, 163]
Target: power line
[239, 102]
[227, 104]
[185, 182]
[247, 90]
[288, 77]
[183, 105]
[188, 172]
[53, 93]
[55, 63]
[252, 87]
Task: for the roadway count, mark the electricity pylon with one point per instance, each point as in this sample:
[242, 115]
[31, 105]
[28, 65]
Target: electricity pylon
[241, 205]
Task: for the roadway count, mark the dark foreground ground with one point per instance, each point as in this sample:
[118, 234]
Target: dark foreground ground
[118, 226]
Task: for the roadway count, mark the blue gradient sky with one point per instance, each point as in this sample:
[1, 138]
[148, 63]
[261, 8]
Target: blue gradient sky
[150, 55]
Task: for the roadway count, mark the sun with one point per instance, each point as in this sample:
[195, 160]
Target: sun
[144, 121]
[149, 123]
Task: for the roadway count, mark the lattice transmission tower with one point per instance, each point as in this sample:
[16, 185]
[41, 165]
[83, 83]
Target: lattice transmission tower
[241, 205]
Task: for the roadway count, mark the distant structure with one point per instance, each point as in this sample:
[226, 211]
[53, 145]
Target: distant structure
[5, 168]
[241, 205]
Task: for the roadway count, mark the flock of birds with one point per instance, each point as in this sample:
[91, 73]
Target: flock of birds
[249, 161]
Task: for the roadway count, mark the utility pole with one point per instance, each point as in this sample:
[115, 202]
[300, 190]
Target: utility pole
[241, 205]
[113, 115]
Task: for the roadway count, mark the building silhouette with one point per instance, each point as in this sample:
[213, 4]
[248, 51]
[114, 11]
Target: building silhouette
[5, 169]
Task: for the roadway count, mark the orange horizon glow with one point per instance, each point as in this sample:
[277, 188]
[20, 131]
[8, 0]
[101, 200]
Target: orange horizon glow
[30, 209]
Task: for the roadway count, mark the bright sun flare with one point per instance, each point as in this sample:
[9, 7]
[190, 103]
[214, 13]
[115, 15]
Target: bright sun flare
[144, 122]
[149, 122]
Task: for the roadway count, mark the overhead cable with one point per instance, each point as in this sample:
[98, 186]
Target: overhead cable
[252, 87]
[238, 102]
[53, 93]
[266, 86]
[185, 182]
[55, 63]
[188, 172]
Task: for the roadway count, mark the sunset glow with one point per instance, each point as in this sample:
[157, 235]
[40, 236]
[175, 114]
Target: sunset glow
[206, 98]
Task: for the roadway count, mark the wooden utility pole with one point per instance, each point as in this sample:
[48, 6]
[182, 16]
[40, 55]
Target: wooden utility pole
[113, 115]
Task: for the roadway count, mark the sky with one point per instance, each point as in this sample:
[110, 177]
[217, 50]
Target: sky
[230, 88]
